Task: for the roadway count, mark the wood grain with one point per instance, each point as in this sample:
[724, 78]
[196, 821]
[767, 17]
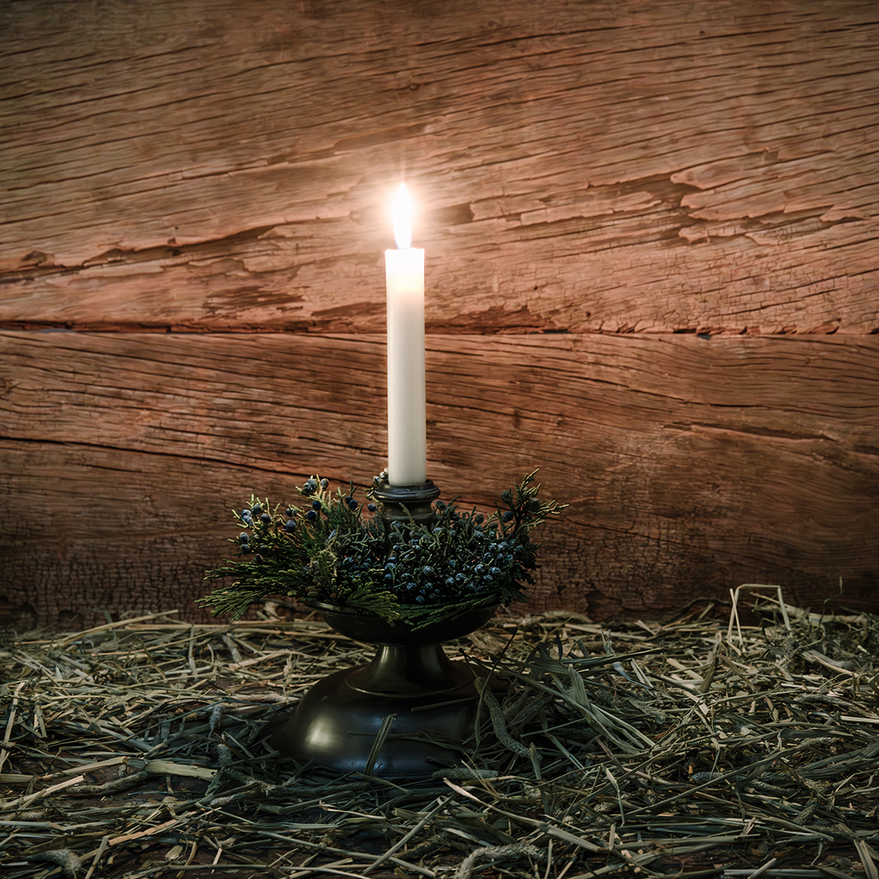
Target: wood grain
[601, 167]
[651, 238]
[684, 461]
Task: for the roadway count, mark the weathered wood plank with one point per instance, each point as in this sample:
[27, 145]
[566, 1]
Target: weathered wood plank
[601, 167]
[584, 169]
[690, 465]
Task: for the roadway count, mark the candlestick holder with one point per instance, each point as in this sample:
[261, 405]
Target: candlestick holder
[406, 578]
[410, 710]
[422, 704]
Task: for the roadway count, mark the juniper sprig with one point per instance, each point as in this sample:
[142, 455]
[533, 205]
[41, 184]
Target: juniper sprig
[331, 549]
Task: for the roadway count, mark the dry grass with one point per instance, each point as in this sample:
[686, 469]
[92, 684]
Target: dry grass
[695, 748]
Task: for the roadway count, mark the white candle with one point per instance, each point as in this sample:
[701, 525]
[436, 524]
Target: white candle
[407, 410]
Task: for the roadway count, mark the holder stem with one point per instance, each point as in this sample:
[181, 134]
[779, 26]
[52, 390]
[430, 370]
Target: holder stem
[408, 671]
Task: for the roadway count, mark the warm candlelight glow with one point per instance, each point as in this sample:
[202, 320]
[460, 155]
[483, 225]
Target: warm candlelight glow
[407, 411]
[402, 213]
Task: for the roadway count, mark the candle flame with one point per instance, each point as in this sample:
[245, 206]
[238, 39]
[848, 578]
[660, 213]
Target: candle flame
[402, 212]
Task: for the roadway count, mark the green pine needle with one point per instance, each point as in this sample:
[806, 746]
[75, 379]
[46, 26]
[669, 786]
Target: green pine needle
[327, 549]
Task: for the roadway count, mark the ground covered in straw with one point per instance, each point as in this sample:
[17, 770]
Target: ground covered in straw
[697, 747]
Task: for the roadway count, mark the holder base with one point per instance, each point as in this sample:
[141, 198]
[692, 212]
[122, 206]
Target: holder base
[336, 724]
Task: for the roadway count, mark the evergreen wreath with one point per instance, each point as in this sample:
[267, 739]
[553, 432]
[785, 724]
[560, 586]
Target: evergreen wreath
[331, 549]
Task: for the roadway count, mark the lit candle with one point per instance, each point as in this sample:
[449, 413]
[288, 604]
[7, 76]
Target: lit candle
[407, 410]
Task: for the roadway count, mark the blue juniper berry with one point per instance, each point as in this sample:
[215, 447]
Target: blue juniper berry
[343, 552]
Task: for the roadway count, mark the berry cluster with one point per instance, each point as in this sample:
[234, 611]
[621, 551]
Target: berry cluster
[332, 549]
[454, 558]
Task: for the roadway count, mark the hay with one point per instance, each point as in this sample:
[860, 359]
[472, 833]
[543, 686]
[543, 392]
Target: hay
[700, 747]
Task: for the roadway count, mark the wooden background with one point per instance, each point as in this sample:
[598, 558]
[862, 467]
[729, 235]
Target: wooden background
[652, 265]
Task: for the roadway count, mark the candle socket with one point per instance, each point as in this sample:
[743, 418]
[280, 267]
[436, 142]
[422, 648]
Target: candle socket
[405, 503]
